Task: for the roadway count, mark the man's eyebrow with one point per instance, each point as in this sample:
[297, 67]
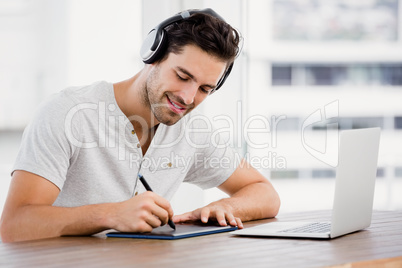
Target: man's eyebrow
[192, 77]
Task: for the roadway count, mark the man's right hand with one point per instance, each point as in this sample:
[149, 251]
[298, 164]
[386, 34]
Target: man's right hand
[141, 213]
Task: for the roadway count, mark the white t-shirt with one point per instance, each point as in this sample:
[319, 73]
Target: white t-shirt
[83, 143]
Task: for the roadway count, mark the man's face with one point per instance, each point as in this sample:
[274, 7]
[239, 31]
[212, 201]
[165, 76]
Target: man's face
[180, 83]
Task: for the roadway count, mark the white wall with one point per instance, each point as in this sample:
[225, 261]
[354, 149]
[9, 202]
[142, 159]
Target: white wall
[47, 45]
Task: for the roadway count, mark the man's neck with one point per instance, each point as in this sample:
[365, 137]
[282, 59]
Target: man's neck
[129, 99]
[128, 94]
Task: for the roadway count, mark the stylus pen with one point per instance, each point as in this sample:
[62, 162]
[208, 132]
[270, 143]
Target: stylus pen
[148, 188]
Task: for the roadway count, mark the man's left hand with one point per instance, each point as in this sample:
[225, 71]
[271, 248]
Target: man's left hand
[215, 211]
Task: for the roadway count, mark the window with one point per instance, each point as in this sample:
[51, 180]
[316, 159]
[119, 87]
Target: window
[398, 172]
[335, 20]
[370, 74]
[391, 74]
[323, 173]
[398, 122]
[360, 122]
[281, 75]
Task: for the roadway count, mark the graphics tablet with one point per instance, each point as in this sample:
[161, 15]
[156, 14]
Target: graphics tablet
[183, 230]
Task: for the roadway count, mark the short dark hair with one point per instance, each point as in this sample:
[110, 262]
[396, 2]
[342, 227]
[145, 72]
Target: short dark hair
[212, 35]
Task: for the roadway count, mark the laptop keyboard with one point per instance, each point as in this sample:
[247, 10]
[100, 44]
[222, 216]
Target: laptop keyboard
[316, 227]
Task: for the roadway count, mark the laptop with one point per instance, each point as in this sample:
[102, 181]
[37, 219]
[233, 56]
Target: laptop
[354, 192]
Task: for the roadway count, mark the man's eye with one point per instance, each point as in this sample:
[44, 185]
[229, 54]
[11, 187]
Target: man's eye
[204, 90]
[181, 78]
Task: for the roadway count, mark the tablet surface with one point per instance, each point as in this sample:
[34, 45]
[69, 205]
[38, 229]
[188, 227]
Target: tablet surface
[183, 230]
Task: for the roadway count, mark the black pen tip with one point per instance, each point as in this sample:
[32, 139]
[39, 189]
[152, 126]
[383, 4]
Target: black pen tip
[171, 224]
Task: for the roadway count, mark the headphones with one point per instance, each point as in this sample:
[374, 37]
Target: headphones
[154, 45]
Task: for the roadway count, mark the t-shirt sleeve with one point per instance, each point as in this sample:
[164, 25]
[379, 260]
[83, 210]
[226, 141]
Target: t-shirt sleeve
[214, 164]
[45, 148]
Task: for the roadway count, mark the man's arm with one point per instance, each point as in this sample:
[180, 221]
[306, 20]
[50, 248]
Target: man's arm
[29, 214]
[252, 197]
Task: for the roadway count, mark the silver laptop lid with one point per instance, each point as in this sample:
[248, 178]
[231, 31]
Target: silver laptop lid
[355, 180]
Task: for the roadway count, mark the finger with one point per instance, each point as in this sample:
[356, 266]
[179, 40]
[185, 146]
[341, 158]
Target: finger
[239, 223]
[231, 219]
[153, 221]
[183, 217]
[141, 227]
[159, 202]
[204, 215]
[220, 217]
[162, 202]
[189, 216]
[154, 213]
[160, 213]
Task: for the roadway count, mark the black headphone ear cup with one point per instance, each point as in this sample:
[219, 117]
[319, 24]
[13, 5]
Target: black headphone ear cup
[223, 79]
[154, 46]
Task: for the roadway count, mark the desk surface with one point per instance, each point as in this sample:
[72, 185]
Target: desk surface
[381, 242]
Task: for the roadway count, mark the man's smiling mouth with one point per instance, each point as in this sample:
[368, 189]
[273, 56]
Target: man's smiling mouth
[174, 104]
[175, 107]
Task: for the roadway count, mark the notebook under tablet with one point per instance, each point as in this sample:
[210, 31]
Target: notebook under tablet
[183, 230]
[354, 192]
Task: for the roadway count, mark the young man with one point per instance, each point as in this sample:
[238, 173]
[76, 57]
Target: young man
[77, 170]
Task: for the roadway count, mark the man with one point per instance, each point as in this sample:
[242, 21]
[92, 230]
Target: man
[77, 170]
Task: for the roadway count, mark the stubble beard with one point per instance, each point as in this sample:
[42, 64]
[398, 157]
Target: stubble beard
[154, 100]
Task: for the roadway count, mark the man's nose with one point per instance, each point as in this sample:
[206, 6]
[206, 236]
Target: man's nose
[188, 93]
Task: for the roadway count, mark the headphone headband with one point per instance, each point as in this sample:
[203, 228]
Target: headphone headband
[154, 45]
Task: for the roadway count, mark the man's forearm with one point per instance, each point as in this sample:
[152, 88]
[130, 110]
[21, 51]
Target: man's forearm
[42, 221]
[255, 201]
